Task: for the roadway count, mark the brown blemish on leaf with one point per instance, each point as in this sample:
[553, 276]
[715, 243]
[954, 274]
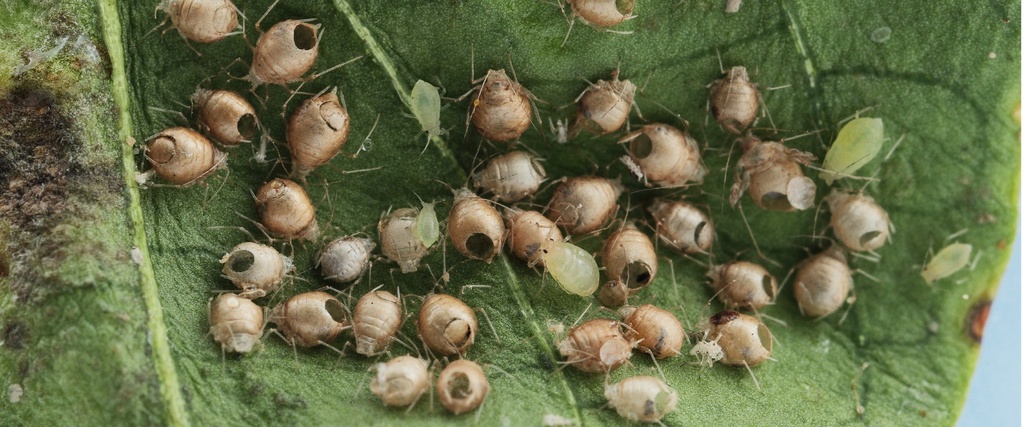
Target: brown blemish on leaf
[976, 320]
[15, 334]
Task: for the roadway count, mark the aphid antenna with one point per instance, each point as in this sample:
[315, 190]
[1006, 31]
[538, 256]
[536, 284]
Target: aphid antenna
[270, 240]
[335, 67]
[875, 258]
[487, 317]
[754, 239]
[751, 371]
[260, 21]
[855, 115]
[297, 91]
[858, 408]
[584, 313]
[894, 146]
[772, 318]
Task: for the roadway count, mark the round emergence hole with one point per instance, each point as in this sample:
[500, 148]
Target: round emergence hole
[335, 309]
[241, 261]
[636, 274]
[775, 201]
[765, 337]
[766, 282]
[458, 332]
[480, 245]
[247, 126]
[625, 7]
[641, 146]
[697, 231]
[459, 386]
[869, 236]
[304, 36]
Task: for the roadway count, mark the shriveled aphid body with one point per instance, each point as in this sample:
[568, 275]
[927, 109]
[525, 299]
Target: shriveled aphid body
[744, 339]
[310, 319]
[501, 109]
[613, 294]
[528, 232]
[857, 144]
[823, 282]
[426, 106]
[286, 211]
[475, 227]
[407, 234]
[446, 325]
[654, 330]
[182, 156]
[628, 256]
[377, 318]
[316, 132]
[284, 53]
[857, 221]
[668, 157]
[511, 177]
[256, 269]
[645, 399]
[202, 21]
[236, 323]
[346, 258]
[602, 13]
[682, 226]
[573, 268]
[947, 262]
[771, 173]
[401, 381]
[743, 285]
[735, 100]
[462, 386]
[226, 116]
[604, 107]
[596, 346]
[584, 204]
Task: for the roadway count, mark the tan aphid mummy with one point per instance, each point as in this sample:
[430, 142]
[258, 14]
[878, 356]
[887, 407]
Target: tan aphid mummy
[226, 116]
[613, 294]
[744, 339]
[346, 258]
[284, 53]
[628, 256]
[398, 240]
[604, 106]
[771, 173]
[316, 132]
[310, 319]
[501, 110]
[584, 204]
[857, 221]
[655, 330]
[401, 381]
[236, 323]
[286, 211]
[511, 177]
[202, 21]
[735, 100]
[682, 226]
[668, 157]
[475, 227]
[823, 283]
[642, 398]
[255, 269]
[743, 285]
[602, 13]
[596, 346]
[182, 156]
[528, 232]
[462, 386]
[446, 325]
[375, 322]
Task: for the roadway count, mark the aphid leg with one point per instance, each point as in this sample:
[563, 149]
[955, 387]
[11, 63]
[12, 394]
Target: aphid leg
[335, 67]
[893, 149]
[341, 354]
[754, 239]
[171, 112]
[751, 371]
[259, 21]
[858, 408]
[572, 22]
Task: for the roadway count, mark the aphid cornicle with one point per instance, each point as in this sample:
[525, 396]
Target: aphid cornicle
[643, 398]
[744, 339]
[668, 157]
[511, 176]
[771, 172]
[823, 282]
[203, 21]
[734, 100]
[628, 255]
[286, 211]
[857, 144]
[584, 204]
[462, 386]
[475, 227]
[284, 53]
[743, 285]
[655, 330]
[226, 116]
[682, 226]
[346, 258]
[375, 322]
[602, 13]
[613, 294]
[947, 262]
[501, 109]
[603, 107]
[528, 231]
[572, 267]
[857, 221]
[316, 132]
[596, 346]
[446, 325]
[256, 269]
[311, 318]
[236, 323]
[407, 233]
[401, 381]
[182, 156]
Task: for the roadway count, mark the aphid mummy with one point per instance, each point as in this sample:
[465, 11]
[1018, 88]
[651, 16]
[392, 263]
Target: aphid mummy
[771, 173]
[604, 106]
[947, 262]
[857, 144]
[528, 231]
[823, 282]
[182, 156]
[511, 177]
[226, 116]
[446, 325]
[255, 269]
[628, 256]
[584, 204]
[462, 386]
[375, 322]
[596, 346]
[857, 221]
[426, 107]
[735, 100]
[682, 226]
[475, 227]
[501, 109]
[743, 285]
[744, 339]
[310, 319]
[654, 330]
[401, 381]
[573, 268]
[642, 398]
[346, 258]
[236, 323]
[202, 21]
[284, 53]
[613, 294]
[316, 132]
[667, 156]
[286, 211]
[602, 13]
[406, 234]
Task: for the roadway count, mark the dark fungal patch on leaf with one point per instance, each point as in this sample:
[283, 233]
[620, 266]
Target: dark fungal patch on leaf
[976, 319]
[15, 334]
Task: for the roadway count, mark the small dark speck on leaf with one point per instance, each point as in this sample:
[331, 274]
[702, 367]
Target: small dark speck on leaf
[15, 334]
[976, 320]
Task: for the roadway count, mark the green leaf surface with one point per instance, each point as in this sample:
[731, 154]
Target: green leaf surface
[945, 75]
